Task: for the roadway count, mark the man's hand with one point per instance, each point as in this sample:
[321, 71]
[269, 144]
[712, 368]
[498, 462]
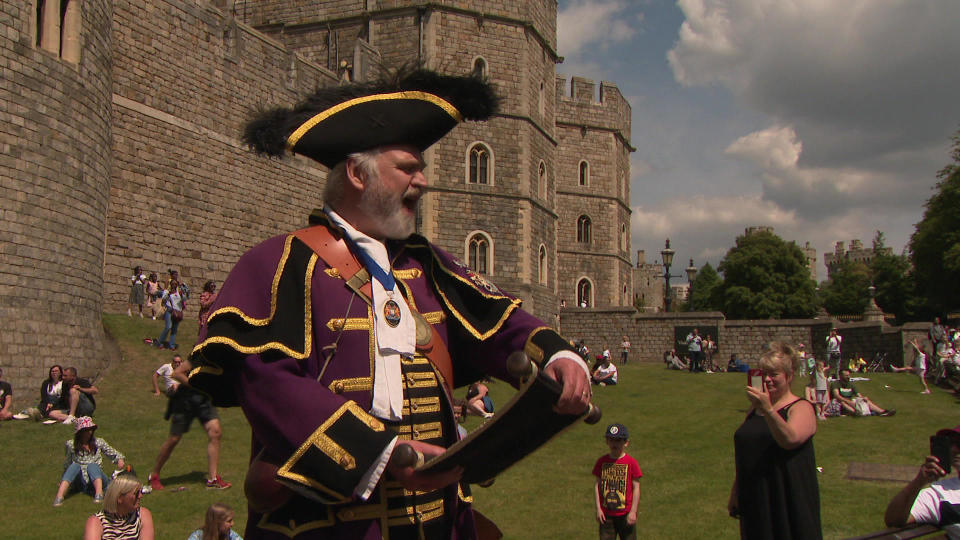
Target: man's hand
[575, 398]
[416, 481]
[931, 470]
[632, 518]
[600, 517]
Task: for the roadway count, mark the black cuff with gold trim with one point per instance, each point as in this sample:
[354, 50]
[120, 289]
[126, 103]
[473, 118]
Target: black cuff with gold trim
[543, 343]
[332, 461]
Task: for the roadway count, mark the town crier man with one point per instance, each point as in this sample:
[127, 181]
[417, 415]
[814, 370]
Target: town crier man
[342, 341]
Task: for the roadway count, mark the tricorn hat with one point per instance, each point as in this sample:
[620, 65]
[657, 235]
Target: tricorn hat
[412, 106]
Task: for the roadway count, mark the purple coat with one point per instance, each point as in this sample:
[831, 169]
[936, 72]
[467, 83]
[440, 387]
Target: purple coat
[263, 349]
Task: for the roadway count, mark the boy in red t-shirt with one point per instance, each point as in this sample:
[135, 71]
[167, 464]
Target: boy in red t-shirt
[617, 491]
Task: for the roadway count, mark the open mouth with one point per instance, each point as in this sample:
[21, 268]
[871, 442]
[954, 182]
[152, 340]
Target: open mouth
[411, 200]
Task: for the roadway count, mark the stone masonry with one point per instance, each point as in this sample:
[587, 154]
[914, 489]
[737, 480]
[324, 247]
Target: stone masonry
[120, 146]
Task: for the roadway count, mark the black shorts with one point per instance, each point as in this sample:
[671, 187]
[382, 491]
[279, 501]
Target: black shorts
[186, 405]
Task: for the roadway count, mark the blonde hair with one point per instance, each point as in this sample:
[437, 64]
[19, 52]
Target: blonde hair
[780, 357]
[119, 486]
[217, 513]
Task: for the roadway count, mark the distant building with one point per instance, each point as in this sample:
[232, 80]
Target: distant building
[856, 253]
[648, 285]
[680, 292]
[811, 255]
[757, 229]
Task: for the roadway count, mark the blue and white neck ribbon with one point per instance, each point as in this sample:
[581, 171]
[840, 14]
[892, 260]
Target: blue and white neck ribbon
[394, 339]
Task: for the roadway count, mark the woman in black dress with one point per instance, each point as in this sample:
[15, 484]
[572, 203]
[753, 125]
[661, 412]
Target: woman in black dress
[775, 493]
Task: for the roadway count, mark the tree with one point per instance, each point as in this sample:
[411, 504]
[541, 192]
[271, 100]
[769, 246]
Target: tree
[702, 289]
[894, 279]
[846, 292]
[935, 245]
[765, 277]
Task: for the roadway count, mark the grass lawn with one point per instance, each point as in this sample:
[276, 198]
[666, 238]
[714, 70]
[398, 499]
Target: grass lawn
[681, 429]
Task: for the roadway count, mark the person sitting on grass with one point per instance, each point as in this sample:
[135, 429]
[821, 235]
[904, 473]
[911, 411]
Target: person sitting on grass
[478, 400]
[673, 361]
[937, 503]
[76, 398]
[84, 454]
[845, 393]
[218, 525]
[616, 493]
[606, 374]
[6, 398]
[919, 365]
[122, 517]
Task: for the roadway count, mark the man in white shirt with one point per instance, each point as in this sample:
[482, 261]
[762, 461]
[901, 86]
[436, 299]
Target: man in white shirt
[165, 373]
[937, 504]
[833, 352]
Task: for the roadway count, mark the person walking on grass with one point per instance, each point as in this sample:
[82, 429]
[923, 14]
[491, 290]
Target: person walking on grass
[185, 405]
[616, 493]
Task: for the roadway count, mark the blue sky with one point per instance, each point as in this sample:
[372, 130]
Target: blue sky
[824, 119]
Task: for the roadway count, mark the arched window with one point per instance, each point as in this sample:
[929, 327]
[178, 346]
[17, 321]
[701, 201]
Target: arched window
[584, 232]
[479, 67]
[584, 173]
[479, 164]
[479, 252]
[542, 180]
[542, 265]
[584, 293]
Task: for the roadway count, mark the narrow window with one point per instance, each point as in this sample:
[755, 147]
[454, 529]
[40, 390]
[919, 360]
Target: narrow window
[542, 266]
[479, 164]
[584, 173]
[584, 293]
[583, 229]
[479, 249]
[542, 180]
[480, 67]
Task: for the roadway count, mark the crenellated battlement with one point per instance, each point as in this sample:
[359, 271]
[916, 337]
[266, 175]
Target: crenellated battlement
[579, 103]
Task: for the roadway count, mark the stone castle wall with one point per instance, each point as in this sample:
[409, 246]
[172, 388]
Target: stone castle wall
[185, 192]
[651, 334]
[150, 169]
[54, 127]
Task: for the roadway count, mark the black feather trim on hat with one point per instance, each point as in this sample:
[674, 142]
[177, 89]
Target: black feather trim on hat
[408, 106]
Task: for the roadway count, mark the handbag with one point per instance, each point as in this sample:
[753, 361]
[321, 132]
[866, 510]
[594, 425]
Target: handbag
[176, 315]
[862, 408]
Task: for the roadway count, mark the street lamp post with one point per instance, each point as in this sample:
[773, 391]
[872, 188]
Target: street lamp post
[667, 255]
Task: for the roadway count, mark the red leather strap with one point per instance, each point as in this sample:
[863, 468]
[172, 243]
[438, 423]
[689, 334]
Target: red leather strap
[436, 352]
[334, 251]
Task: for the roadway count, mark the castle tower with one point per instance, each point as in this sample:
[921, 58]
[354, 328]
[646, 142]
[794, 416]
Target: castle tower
[55, 172]
[501, 173]
[593, 193]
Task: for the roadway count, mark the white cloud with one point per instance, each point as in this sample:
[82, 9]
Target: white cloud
[697, 225]
[593, 22]
[860, 95]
